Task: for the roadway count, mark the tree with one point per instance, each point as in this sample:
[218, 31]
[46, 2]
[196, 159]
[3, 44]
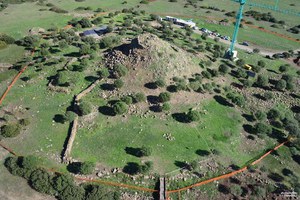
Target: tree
[63, 78]
[144, 151]
[261, 63]
[165, 107]
[193, 115]
[98, 20]
[262, 129]
[61, 181]
[85, 49]
[127, 99]
[241, 73]
[146, 167]
[30, 162]
[85, 23]
[84, 108]
[118, 83]
[160, 83]
[62, 44]
[120, 70]
[262, 81]
[164, 97]
[247, 83]
[97, 192]
[223, 69]
[274, 114]
[87, 167]
[120, 108]
[10, 130]
[240, 62]
[280, 85]
[283, 68]
[41, 181]
[268, 95]
[104, 73]
[259, 115]
[236, 190]
[72, 192]
[70, 116]
[139, 97]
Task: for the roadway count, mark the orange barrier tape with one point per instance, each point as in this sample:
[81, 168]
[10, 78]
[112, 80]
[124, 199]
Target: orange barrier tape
[229, 174]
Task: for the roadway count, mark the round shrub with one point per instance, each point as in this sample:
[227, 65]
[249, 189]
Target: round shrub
[262, 129]
[87, 167]
[120, 70]
[118, 83]
[160, 83]
[164, 97]
[104, 73]
[70, 116]
[24, 122]
[166, 107]
[127, 99]
[193, 115]
[120, 108]
[84, 108]
[10, 130]
[139, 97]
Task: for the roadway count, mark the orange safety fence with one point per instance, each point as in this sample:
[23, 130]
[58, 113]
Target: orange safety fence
[14, 81]
[228, 175]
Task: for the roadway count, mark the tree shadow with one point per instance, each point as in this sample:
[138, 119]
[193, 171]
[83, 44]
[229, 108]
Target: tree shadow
[248, 117]
[180, 117]
[59, 118]
[296, 109]
[155, 108]
[287, 172]
[106, 110]
[248, 128]
[181, 164]
[221, 100]
[25, 79]
[223, 189]
[151, 85]
[91, 78]
[153, 99]
[234, 167]
[74, 167]
[234, 180]
[259, 96]
[296, 158]
[276, 177]
[72, 54]
[131, 168]
[107, 87]
[172, 88]
[278, 135]
[201, 152]
[133, 151]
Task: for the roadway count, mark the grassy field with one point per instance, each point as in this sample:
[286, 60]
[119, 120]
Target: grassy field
[11, 54]
[109, 138]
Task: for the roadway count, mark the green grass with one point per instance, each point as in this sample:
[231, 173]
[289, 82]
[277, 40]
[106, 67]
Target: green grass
[11, 54]
[106, 140]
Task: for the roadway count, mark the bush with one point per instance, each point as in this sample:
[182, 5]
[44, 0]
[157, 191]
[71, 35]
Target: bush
[193, 115]
[24, 122]
[259, 115]
[87, 168]
[223, 69]
[283, 68]
[7, 39]
[268, 95]
[274, 114]
[10, 130]
[84, 108]
[164, 97]
[120, 70]
[280, 85]
[70, 116]
[41, 181]
[85, 23]
[262, 129]
[72, 192]
[160, 83]
[144, 151]
[118, 83]
[104, 73]
[262, 81]
[30, 162]
[120, 108]
[62, 181]
[63, 78]
[166, 107]
[127, 99]
[148, 166]
[139, 97]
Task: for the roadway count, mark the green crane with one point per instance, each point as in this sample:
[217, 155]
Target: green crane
[239, 17]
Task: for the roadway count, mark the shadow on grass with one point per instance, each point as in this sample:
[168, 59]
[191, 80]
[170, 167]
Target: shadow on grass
[107, 86]
[180, 117]
[221, 100]
[59, 118]
[151, 85]
[201, 152]
[131, 168]
[91, 78]
[153, 99]
[106, 110]
[74, 167]
[133, 151]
